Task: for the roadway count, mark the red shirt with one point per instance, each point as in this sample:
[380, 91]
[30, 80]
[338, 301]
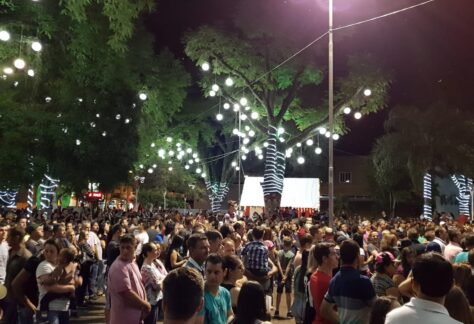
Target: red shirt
[319, 285]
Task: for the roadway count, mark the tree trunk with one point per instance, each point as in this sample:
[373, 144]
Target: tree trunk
[217, 193]
[274, 174]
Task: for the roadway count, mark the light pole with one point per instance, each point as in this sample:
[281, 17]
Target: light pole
[331, 119]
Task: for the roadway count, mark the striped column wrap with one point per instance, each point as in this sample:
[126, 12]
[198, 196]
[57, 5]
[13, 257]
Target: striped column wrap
[216, 192]
[274, 165]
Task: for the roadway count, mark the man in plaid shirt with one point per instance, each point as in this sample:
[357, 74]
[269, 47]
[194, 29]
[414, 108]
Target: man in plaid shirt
[255, 255]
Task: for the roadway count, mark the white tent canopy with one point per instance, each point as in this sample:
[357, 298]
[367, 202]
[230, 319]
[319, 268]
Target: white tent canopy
[297, 193]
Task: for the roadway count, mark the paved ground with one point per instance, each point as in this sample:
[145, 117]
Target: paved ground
[94, 314]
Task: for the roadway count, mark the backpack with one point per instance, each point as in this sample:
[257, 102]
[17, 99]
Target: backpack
[310, 311]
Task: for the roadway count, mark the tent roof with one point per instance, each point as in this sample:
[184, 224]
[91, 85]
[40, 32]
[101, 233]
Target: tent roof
[297, 193]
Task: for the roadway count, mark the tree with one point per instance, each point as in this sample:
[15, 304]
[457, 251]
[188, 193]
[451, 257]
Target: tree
[436, 140]
[288, 99]
[87, 112]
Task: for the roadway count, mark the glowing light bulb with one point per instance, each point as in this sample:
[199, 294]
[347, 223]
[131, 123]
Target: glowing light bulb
[281, 130]
[19, 63]
[229, 82]
[254, 115]
[150, 170]
[309, 142]
[36, 46]
[142, 96]
[251, 133]
[78, 142]
[152, 144]
[118, 116]
[243, 101]
[367, 92]
[169, 139]
[212, 93]
[8, 70]
[31, 72]
[236, 107]
[4, 35]
[322, 131]
[357, 115]
[335, 137]
[243, 117]
[226, 106]
[347, 110]
[328, 134]
[298, 144]
[205, 66]
[215, 87]
[219, 116]
[318, 150]
[301, 160]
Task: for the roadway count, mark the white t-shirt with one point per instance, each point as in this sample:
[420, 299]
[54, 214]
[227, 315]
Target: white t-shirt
[61, 304]
[142, 238]
[3, 260]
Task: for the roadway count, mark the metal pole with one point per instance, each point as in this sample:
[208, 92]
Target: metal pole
[240, 161]
[331, 118]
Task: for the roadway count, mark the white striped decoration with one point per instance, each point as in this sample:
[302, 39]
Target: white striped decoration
[274, 165]
[464, 186]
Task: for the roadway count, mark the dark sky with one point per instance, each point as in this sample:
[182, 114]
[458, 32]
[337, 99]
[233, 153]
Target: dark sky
[430, 49]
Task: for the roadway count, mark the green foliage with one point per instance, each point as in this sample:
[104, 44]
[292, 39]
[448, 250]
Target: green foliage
[437, 139]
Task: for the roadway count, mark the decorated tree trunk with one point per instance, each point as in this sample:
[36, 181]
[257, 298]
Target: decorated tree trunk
[464, 185]
[47, 191]
[274, 173]
[217, 193]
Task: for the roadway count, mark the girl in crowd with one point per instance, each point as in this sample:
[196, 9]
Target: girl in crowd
[382, 279]
[173, 257]
[251, 307]
[152, 278]
[234, 271]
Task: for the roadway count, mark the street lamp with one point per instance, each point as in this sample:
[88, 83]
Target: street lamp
[331, 118]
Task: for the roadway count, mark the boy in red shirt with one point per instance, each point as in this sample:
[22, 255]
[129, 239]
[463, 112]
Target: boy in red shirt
[328, 260]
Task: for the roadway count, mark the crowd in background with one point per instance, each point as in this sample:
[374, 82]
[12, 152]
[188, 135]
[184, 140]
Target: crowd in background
[216, 268]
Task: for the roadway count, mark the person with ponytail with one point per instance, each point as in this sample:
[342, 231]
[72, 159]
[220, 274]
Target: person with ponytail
[152, 277]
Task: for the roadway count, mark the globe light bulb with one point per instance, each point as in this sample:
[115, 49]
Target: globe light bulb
[8, 70]
[229, 82]
[104, 133]
[118, 116]
[251, 133]
[281, 139]
[235, 131]
[212, 93]
[226, 106]
[154, 166]
[31, 72]
[335, 137]
[36, 46]
[219, 117]
[215, 87]
[19, 63]
[247, 108]
[203, 175]
[246, 141]
[298, 144]
[142, 96]
[150, 170]
[170, 169]
[265, 144]
[309, 142]
[318, 150]
[357, 115]
[141, 166]
[92, 124]
[169, 139]
[127, 121]
[247, 128]
[191, 161]
[195, 155]
[367, 92]
[254, 115]
[243, 101]
[234, 164]
[186, 167]
[198, 170]
[347, 110]
[260, 157]
[243, 117]
[152, 144]
[48, 99]
[237, 168]
[205, 66]
[4, 35]
[236, 107]
[97, 115]
[322, 131]
[281, 130]
[171, 153]
[189, 150]
[328, 134]
[301, 160]
[78, 142]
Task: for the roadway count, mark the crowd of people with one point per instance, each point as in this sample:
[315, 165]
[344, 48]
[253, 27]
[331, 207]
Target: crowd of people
[152, 266]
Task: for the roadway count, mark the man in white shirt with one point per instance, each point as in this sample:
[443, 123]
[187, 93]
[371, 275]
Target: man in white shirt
[432, 280]
[94, 242]
[4, 247]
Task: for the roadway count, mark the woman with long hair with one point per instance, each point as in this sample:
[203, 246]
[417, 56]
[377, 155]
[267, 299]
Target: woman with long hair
[173, 257]
[152, 278]
[58, 308]
[234, 271]
[458, 306]
[407, 256]
[251, 308]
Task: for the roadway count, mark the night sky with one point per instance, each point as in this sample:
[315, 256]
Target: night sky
[430, 49]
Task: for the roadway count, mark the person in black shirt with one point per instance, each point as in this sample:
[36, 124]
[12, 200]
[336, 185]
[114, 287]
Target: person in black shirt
[25, 289]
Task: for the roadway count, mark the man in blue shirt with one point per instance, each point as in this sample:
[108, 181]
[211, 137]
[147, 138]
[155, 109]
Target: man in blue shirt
[352, 292]
[217, 301]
